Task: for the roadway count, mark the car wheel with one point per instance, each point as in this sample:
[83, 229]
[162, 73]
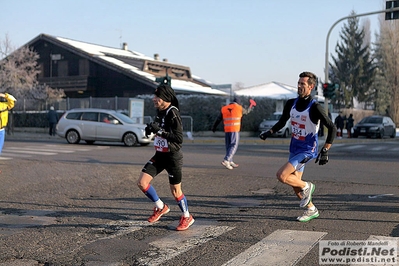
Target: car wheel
[382, 134]
[72, 137]
[286, 133]
[355, 135]
[90, 142]
[393, 133]
[130, 139]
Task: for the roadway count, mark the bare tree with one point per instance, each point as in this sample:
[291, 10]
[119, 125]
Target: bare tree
[5, 47]
[238, 86]
[18, 73]
[18, 69]
[387, 55]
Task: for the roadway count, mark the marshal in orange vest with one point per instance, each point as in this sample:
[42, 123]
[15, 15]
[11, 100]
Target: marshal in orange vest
[232, 114]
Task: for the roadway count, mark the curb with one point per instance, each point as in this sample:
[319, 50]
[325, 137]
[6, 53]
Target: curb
[203, 137]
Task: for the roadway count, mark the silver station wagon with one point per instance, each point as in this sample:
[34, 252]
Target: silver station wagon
[93, 125]
[268, 123]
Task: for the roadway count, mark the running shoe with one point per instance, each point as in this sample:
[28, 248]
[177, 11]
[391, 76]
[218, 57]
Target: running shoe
[308, 215]
[234, 164]
[227, 165]
[307, 195]
[158, 213]
[185, 223]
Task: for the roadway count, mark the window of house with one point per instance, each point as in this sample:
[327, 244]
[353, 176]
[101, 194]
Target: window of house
[73, 67]
[62, 68]
[83, 67]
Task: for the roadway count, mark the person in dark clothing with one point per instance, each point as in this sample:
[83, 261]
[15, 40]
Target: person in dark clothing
[168, 156]
[349, 125]
[339, 123]
[306, 115]
[52, 120]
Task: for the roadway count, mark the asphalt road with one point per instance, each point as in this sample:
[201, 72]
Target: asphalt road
[63, 204]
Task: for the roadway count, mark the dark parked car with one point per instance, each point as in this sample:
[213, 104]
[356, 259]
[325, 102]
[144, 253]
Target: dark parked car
[375, 126]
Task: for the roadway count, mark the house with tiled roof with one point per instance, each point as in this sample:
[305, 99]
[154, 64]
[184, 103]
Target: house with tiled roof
[83, 69]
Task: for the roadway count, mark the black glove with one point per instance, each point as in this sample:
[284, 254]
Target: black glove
[322, 158]
[148, 130]
[265, 134]
[154, 127]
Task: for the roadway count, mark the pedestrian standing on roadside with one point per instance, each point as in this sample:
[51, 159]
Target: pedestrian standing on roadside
[168, 156]
[339, 123]
[231, 115]
[52, 120]
[349, 125]
[7, 102]
[306, 115]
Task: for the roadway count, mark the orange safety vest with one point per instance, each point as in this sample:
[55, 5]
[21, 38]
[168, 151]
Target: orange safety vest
[232, 114]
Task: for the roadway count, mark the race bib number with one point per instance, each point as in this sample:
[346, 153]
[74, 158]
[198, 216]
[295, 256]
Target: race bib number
[298, 131]
[161, 144]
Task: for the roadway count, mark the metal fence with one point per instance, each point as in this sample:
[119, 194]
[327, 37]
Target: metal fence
[187, 123]
[113, 103]
[120, 104]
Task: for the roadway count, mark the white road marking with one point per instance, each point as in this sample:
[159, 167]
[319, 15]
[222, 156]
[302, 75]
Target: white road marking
[31, 152]
[379, 148]
[179, 242]
[336, 145]
[8, 158]
[122, 228]
[39, 149]
[10, 155]
[77, 147]
[48, 149]
[355, 147]
[280, 248]
[379, 196]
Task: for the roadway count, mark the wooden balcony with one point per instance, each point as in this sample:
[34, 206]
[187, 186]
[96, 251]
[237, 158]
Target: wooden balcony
[71, 83]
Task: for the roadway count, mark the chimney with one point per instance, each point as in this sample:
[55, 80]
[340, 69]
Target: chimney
[124, 46]
[165, 60]
[156, 56]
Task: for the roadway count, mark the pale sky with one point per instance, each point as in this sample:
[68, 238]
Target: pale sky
[223, 41]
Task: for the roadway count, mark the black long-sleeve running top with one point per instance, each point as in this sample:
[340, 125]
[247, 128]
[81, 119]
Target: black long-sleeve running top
[170, 122]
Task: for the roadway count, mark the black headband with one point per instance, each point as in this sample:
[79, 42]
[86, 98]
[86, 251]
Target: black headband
[165, 92]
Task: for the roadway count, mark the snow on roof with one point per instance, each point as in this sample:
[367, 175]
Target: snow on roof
[273, 90]
[95, 49]
[191, 87]
[106, 54]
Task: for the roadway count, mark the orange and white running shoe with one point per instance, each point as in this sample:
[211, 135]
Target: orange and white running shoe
[185, 223]
[158, 213]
